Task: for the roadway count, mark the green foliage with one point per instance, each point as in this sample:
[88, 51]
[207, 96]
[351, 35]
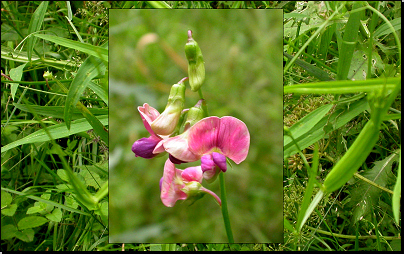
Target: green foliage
[54, 179]
[355, 132]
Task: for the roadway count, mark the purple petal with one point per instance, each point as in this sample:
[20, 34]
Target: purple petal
[144, 147]
[207, 163]
[220, 161]
[175, 160]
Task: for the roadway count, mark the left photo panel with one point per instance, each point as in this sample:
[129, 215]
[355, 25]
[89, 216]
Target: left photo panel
[54, 125]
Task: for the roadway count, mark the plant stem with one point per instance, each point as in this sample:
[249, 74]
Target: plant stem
[224, 209]
[223, 195]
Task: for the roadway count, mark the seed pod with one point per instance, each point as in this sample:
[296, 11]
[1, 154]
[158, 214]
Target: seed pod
[353, 158]
[196, 65]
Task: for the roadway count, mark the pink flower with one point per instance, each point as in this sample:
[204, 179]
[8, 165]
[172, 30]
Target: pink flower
[212, 139]
[177, 184]
[151, 146]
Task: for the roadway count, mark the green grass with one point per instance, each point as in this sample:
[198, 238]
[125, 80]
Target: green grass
[341, 69]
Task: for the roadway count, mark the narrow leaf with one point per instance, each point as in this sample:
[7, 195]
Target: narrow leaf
[35, 25]
[92, 50]
[46, 201]
[349, 42]
[16, 75]
[91, 68]
[58, 111]
[339, 118]
[343, 86]
[57, 131]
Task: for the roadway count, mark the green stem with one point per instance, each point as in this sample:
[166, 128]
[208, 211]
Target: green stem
[223, 195]
[224, 209]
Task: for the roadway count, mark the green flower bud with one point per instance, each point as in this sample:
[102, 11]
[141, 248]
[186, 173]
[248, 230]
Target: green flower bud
[194, 115]
[166, 122]
[196, 65]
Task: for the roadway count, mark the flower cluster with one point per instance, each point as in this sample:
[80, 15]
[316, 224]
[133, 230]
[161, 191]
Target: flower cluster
[188, 136]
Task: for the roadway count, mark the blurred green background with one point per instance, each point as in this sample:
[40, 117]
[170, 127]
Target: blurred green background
[242, 50]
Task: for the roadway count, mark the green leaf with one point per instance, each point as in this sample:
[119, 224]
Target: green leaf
[91, 68]
[6, 199]
[349, 41]
[58, 111]
[95, 123]
[16, 75]
[31, 222]
[26, 235]
[57, 131]
[35, 25]
[55, 216]
[343, 86]
[311, 69]
[397, 194]
[385, 29]
[364, 195]
[8, 231]
[304, 125]
[9, 211]
[92, 50]
[339, 118]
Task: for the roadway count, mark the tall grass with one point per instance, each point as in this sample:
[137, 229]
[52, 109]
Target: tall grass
[341, 75]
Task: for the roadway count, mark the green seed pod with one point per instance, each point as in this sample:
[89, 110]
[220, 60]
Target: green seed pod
[196, 65]
[353, 158]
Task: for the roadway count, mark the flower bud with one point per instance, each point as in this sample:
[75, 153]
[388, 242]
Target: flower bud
[196, 65]
[194, 115]
[165, 123]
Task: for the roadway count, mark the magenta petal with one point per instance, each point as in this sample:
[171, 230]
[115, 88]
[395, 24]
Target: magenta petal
[144, 147]
[192, 174]
[233, 138]
[220, 161]
[203, 135]
[171, 185]
[207, 163]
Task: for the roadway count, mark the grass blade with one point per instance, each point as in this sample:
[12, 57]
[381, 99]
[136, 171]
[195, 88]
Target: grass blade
[91, 68]
[339, 118]
[344, 86]
[35, 25]
[58, 111]
[397, 194]
[57, 131]
[83, 47]
[349, 42]
[46, 201]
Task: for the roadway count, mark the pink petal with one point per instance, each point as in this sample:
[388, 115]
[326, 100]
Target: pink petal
[228, 135]
[178, 147]
[192, 174]
[233, 138]
[170, 189]
[203, 135]
[148, 115]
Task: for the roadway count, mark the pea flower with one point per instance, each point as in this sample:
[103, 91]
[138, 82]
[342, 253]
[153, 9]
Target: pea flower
[144, 147]
[160, 126]
[177, 184]
[212, 139]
